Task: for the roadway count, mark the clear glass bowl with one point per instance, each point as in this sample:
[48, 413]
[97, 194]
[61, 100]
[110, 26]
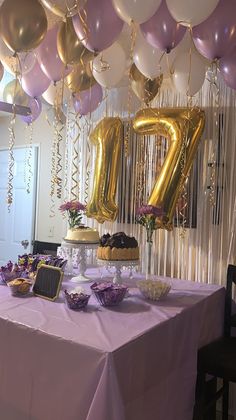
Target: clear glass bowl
[153, 289]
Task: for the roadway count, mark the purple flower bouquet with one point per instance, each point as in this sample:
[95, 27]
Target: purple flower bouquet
[74, 211]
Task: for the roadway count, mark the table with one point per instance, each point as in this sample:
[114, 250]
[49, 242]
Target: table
[134, 362]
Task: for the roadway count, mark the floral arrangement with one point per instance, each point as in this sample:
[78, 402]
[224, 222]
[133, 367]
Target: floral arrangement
[74, 210]
[146, 216]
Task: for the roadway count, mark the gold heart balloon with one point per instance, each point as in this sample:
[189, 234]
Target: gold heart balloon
[70, 48]
[23, 24]
[80, 78]
[145, 89]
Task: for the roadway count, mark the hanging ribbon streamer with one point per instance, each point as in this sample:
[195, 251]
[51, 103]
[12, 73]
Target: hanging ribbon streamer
[58, 165]
[88, 157]
[11, 161]
[53, 176]
[75, 163]
[29, 160]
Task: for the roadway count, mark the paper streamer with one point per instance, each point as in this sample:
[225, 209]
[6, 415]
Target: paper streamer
[11, 161]
[74, 192]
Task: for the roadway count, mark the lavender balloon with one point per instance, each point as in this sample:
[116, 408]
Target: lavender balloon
[162, 31]
[36, 108]
[216, 36]
[228, 69]
[49, 59]
[103, 25]
[35, 82]
[88, 100]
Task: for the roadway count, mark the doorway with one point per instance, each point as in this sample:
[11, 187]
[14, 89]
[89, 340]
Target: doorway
[17, 226]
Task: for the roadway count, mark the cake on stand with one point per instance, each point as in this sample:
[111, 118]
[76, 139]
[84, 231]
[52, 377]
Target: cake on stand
[75, 251]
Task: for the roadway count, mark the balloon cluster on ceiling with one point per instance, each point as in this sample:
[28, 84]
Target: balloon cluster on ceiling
[69, 49]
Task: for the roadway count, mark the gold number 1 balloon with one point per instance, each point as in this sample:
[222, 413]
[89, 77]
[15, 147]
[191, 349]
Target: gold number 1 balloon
[183, 128]
[107, 137]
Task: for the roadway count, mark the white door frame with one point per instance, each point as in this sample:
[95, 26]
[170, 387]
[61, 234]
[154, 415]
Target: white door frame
[36, 147]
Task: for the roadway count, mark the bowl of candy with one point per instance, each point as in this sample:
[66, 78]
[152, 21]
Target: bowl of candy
[153, 289]
[76, 300]
[109, 294]
[11, 271]
[20, 287]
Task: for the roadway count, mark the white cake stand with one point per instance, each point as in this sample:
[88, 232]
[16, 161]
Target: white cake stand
[75, 253]
[118, 265]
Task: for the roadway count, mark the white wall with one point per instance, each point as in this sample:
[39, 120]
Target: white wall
[42, 136]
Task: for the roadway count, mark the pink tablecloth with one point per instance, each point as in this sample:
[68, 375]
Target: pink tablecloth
[133, 362]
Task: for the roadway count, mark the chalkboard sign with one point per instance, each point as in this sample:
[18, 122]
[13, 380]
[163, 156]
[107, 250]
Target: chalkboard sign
[48, 282]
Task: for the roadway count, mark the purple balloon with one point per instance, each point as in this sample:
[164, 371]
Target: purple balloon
[35, 82]
[162, 31]
[103, 25]
[36, 108]
[216, 36]
[228, 69]
[49, 59]
[88, 100]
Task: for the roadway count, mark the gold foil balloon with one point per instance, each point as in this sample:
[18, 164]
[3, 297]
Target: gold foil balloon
[107, 137]
[145, 89]
[63, 8]
[23, 24]
[80, 78]
[14, 94]
[183, 128]
[70, 48]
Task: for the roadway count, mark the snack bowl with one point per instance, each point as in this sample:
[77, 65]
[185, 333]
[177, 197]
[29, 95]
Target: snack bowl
[76, 300]
[19, 286]
[153, 289]
[109, 294]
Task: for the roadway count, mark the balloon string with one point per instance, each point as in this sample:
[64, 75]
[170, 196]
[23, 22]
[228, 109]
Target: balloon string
[131, 53]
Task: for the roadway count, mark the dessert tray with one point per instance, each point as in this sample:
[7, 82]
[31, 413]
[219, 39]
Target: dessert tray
[119, 265]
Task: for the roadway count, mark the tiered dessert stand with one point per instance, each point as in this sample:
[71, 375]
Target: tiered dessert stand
[119, 265]
[75, 252]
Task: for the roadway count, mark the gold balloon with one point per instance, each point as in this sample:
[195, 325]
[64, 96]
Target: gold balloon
[63, 7]
[107, 137]
[145, 89]
[183, 128]
[70, 48]
[80, 78]
[23, 24]
[14, 94]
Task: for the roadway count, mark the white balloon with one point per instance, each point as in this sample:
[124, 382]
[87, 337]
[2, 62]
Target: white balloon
[147, 58]
[191, 12]
[137, 10]
[53, 95]
[109, 66]
[189, 73]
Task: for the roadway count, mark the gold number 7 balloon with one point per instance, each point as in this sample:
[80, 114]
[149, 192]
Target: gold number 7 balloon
[107, 137]
[183, 127]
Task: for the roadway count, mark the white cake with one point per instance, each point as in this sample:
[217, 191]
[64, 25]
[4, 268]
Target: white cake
[82, 234]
